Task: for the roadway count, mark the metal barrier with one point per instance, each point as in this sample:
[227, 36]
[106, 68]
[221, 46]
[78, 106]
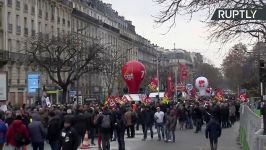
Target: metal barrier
[250, 124]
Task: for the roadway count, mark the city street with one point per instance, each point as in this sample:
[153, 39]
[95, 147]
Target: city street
[185, 140]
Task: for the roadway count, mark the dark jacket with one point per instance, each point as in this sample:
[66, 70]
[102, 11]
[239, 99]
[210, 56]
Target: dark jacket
[36, 129]
[171, 122]
[54, 129]
[80, 124]
[213, 129]
[69, 139]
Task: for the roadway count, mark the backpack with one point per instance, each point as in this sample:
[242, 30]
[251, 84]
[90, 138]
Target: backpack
[20, 139]
[106, 122]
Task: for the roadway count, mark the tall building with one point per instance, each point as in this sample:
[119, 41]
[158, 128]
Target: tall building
[21, 19]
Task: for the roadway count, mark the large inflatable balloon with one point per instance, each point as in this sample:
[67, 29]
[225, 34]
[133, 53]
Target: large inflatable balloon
[133, 73]
[202, 84]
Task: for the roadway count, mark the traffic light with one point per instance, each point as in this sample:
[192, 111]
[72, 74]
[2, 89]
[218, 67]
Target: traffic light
[262, 69]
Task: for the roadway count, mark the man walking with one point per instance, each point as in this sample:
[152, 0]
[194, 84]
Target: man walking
[213, 132]
[159, 118]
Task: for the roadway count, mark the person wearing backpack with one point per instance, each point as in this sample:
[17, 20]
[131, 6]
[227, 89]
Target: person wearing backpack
[106, 124]
[18, 134]
[37, 132]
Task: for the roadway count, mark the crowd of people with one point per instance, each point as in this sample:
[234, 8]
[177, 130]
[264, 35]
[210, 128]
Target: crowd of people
[63, 127]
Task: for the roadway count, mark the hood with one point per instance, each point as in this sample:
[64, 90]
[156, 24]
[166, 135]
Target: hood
[36, 117]
[17, 123]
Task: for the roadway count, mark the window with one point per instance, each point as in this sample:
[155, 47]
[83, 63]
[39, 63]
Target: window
[17, 20]
[9, 3]
[18, 4]
[9, 17]
[25, 8]
[40, 13]
[18, 45]
[32, 10]
[58, 31]
[9, 44]
[32, 25]
[68, 23]
[58, 20]
[18, 25]
[39, 27]
[46, 28]
[25, 26]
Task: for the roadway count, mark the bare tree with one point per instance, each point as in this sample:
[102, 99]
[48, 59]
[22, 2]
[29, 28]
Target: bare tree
[223, 30]
[67, 57]
[112, 70]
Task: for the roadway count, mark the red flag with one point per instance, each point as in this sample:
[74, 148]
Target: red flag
[219, 94]
[183, 73]
[170, 87]
[154, 83]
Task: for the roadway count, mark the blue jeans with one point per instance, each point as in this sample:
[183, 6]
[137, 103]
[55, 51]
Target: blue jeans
[170, 134]
[160, 130]
[55, 145]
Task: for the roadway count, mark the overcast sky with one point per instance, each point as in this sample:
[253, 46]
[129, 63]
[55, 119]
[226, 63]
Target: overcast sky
[188, 35]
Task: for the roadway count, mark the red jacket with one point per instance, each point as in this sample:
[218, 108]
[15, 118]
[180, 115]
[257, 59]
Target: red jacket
[16, 126]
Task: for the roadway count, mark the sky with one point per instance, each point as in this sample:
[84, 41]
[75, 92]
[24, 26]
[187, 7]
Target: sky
[188, 35]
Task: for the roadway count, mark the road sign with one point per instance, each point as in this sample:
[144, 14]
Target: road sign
[72, 93]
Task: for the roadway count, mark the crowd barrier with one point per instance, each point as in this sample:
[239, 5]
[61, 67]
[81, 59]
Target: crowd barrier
[250, 130]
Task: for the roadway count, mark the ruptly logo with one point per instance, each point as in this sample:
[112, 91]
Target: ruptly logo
[239, 14]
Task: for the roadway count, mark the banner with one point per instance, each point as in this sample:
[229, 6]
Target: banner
[146, 100]
[169, 90]
[219, 94]
[3, 86]
[183, 73]
[153, 84]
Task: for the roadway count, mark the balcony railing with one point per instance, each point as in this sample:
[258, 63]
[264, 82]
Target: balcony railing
[26, 31]
[18, 30]
[10, 28]
[11, 56]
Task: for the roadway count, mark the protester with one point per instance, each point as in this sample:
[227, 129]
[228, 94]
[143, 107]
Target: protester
[54, 131]
[213, 132]
[170, 126]
[70, 139]
[18, 134]
[130, 116]
[37, 132]
[159, 118]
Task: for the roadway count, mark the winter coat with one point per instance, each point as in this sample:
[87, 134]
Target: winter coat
[213, 129]
[99, 122]
[54, 129]
[69, 139]
[17, 126]
[36, 129]
[3, 130]
[143, 117]
[171, 122]
[129, 118]
[80, 124]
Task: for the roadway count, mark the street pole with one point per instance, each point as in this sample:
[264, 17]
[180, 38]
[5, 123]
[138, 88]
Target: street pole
[158, 78]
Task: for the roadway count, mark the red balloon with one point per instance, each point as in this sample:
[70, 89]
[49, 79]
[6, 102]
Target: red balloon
[133, 73]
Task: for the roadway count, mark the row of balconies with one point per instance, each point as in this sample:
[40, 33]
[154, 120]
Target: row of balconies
[11, 56]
